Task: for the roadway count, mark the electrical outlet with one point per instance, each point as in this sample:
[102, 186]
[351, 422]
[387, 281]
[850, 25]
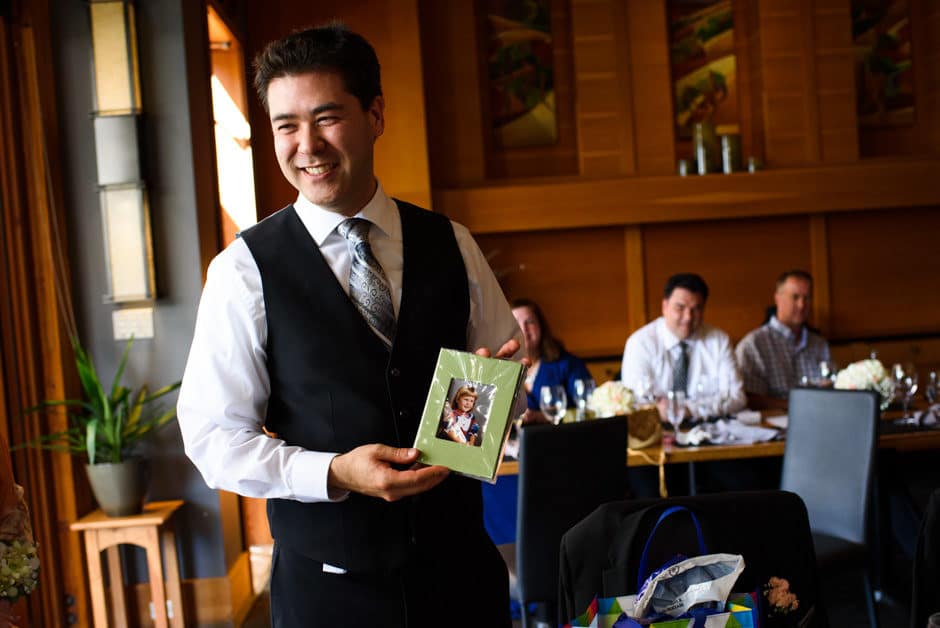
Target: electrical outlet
[133, 321]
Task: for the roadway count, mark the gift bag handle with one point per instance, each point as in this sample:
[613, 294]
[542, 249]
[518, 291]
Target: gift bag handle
[643, 573]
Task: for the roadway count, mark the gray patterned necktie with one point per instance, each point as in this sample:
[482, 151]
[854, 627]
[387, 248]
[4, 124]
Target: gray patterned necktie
[368, 285]
[680, 370]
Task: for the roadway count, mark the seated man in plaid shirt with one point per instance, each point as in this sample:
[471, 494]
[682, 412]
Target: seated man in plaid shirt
[775, 357]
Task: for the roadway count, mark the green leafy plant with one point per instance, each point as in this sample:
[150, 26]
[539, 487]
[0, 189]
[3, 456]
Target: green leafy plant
[104, 426]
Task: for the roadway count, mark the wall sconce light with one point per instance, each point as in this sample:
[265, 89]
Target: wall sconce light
[125, 213]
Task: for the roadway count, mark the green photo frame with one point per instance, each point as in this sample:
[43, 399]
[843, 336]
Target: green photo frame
[466, 437]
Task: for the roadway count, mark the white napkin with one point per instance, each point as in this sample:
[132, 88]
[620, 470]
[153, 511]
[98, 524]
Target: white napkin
[748, 417]
[724, 432]
[780, 421]
[928, 417]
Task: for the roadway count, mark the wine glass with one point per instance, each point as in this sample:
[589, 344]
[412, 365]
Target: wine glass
[644, 390]
[553, 402]
[932, 391]
[675, 408]
[583, 389]
[706, 391]
[905, 386]
[827, 374]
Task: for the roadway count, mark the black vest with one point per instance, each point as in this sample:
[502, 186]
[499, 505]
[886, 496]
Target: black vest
[334, 385]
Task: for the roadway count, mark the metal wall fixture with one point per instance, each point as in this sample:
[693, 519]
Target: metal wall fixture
[125, 212]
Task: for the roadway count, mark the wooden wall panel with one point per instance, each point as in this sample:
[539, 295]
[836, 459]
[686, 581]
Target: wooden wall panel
[450, 56]
[601, 61]
[579, 280]
[802, 50]
[832, 48]
[884, 268]
[752, 79]
[651, 88]
[740, 260]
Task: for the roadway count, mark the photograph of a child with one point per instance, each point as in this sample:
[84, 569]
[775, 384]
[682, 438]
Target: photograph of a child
[465, 412]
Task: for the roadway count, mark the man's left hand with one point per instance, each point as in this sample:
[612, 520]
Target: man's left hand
[509, 349]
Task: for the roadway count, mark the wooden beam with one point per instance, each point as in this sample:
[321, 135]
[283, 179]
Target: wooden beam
[636, 200]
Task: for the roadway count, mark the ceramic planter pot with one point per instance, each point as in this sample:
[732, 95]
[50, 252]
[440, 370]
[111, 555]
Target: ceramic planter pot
[119, 487]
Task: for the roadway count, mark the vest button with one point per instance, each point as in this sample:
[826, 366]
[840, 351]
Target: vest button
[394, 372]
[403, 414]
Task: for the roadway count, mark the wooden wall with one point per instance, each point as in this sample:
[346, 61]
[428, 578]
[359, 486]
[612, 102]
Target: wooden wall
[595, 248]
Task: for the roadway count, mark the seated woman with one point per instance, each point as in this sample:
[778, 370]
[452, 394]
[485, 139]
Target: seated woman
[552, 365]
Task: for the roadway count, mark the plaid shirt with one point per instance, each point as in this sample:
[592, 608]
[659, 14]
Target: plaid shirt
[772, 359]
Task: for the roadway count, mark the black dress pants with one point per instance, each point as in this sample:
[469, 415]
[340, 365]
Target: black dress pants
[460, 585]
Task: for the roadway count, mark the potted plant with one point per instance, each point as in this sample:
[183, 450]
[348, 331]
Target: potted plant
[105, 427]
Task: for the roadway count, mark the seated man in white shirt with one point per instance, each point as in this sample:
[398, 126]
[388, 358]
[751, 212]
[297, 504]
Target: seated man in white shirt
[679, 352]
[775, 357]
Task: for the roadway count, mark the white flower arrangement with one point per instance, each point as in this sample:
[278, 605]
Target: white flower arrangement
[19, 568]
[611, 399]
[867, 375]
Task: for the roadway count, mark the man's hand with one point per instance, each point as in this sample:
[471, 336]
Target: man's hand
[508, 350]
[368, 470]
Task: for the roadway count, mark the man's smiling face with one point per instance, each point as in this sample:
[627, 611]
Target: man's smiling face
[324, 140]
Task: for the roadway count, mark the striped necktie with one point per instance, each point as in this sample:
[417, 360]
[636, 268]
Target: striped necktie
[368, 285]
[680, 370]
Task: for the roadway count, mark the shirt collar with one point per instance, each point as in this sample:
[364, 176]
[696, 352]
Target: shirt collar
[787, 333]
[320, 222]
[669, 339]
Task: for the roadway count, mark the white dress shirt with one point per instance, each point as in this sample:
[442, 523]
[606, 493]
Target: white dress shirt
[653, 350]
[223, 400]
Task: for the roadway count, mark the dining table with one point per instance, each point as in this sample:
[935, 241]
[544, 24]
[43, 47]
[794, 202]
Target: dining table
[907, 438]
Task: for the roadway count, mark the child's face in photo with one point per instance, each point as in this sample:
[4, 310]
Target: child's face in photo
[465, 403]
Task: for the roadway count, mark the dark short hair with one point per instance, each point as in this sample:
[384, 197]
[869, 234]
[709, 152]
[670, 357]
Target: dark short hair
[689, 281]
[550, 348]
[328, 48]
[796, 274]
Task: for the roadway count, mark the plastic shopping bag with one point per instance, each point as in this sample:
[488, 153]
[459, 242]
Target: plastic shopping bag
[685, 592]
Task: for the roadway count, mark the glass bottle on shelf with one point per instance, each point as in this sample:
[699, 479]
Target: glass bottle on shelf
[705, 148]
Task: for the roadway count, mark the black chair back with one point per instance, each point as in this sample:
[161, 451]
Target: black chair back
[601, 554]
[830, 451]
[565, 472]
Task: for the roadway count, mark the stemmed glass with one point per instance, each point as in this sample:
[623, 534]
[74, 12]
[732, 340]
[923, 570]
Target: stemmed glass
[644, 390]
[675, 408]
[827, 374]
[905, 386]
[583, 389]
[706, 397]
[932, 391]
[553, 402]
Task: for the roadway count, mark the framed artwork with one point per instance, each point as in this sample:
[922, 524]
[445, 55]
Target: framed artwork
[520, 72]
[881, 31]
[703, 64]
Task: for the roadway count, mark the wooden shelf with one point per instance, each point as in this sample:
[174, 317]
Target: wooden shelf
[578, 203]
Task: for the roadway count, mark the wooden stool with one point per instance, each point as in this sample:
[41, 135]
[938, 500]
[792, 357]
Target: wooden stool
[146, 530]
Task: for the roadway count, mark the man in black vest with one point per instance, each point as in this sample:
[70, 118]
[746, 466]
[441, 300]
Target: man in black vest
[322, 325]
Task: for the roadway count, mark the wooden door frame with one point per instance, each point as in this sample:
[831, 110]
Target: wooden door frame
[34, 345]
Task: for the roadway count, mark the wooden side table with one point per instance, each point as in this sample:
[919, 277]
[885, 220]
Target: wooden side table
[147, 530]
